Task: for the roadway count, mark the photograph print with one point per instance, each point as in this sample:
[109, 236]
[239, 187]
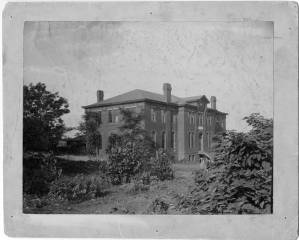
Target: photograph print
[148, 117]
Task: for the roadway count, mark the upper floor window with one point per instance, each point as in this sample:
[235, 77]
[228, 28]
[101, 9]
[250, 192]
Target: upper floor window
[116, 118]
[164, 140]
[191, 139]
[163, 117]
[174, 119]
[110, 116]
[153, 115]
[200, 120]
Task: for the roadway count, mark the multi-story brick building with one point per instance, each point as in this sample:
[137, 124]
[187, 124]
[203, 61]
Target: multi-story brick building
[184, 126]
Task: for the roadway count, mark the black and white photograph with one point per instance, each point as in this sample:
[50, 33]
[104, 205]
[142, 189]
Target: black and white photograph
[148, 118]
[151, 120]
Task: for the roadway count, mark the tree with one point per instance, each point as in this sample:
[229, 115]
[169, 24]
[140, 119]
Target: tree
[42, 122]
[131, 150]
[90, 128]
[239, 180]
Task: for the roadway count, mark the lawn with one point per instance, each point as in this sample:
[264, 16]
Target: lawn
[122, 199]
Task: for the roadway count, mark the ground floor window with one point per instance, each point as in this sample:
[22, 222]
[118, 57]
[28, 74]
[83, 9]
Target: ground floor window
[173, 145]
[199, 141]
[154, 137]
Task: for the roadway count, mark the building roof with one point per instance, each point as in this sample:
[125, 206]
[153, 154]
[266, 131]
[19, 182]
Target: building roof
[142, 95]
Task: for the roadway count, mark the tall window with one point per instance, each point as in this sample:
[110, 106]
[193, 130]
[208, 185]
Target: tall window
[200, 120]
[174, 119]
[191, 139]
[110, 116]
[154, 137]
[199, 140]
[153, 115]
[173, 140]
[164, 140]
[100, 141]
[163, 118]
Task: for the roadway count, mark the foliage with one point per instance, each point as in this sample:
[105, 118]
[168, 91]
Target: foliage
[42, 123]
[158, 206]
[90, 129]
[72, 168]
[129, 151]
[79, 188]
[161, 166]
[239, 180]
[39, 171]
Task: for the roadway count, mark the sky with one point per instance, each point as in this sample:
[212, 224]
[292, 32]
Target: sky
[230, 60]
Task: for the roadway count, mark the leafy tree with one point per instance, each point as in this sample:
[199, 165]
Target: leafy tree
[239, 180]
[42, 123]
[129, 151]
[90, 128]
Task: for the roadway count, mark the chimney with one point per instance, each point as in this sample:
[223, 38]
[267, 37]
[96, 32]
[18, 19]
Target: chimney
[213, 102]
[100, 96]
[167, 92]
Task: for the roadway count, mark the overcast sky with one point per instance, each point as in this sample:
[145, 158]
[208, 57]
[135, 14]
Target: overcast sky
[233, 61]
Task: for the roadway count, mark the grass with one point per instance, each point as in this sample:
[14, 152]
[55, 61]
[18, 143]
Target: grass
[123, 200]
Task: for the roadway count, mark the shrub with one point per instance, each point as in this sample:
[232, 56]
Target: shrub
[39, 171]
[78, 188]
[161, 166]
[129, 152]
[158, 206]
[239, 180]
[72, 168]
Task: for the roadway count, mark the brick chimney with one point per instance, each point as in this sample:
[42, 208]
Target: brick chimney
[213, 102]
[167, 92]
[100, 96]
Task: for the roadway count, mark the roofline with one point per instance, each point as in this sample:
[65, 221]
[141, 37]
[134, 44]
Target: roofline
[215, 110]
[127, 102]
[195, 100]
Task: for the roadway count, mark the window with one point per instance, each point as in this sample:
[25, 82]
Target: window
[199, 140]
[154, 137]
[200, 120]
[164, 140]
[173, 140]
[191, 118]
[153, 115]
[163, 118]
[191, 139]
[116, 119]
[174, 119]
[110, 116]
[100, 141]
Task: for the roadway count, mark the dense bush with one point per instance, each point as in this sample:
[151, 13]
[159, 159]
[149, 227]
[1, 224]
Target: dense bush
[79, 188]
[129, 151]
[39, 171]
[72, 168]
[161, 166]
[239, 180]
[158, 206]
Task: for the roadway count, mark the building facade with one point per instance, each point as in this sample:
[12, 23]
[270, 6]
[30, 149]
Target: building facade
[184, 126]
